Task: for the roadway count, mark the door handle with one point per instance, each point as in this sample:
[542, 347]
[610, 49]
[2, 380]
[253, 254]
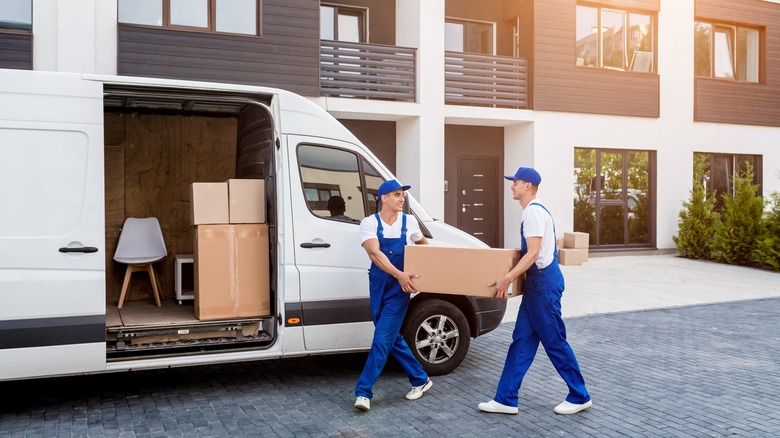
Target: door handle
[315, 245]
[81, 249]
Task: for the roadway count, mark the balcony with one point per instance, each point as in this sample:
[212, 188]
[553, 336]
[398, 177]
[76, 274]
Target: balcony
[485, 80]
[368, 71]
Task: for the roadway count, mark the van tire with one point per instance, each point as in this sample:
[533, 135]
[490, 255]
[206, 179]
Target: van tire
[427, 315]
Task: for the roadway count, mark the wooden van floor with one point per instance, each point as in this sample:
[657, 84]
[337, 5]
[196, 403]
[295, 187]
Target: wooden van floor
[140, 313]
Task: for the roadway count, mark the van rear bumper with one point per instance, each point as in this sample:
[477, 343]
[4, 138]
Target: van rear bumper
[489, 313]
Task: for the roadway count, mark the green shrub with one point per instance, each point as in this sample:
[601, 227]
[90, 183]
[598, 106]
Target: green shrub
[768, 251]
[696, 226]
[737, 235]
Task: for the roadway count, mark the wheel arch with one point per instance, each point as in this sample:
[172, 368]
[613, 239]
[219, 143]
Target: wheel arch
[460, 301]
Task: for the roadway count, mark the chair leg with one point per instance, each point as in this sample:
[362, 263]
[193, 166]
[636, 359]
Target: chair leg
[153, 277]
[125, 284]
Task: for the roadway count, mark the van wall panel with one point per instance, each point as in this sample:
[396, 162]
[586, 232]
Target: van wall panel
[15, 51]
[285, 56]
[726, 101]
[559, 85]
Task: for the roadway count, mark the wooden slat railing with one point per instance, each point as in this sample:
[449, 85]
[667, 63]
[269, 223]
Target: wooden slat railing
[485, 80]
[367, 71]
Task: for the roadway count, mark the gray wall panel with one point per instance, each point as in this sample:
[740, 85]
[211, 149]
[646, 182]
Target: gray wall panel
[16, 51]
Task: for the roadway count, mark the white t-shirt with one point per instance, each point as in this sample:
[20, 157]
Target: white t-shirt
[537, 222]
[368, 227]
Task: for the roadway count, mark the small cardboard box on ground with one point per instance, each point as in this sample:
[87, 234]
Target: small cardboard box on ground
[460, 271]
[246, 199]
[209, 203]
[232, 277]
[576, 240]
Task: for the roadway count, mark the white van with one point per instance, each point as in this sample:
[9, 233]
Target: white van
[81, 153]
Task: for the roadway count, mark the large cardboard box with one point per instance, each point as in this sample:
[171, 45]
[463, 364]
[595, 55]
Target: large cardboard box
[232, 277]
[246, 199]
[576, 240]
[460, 271]
[572, 256]
[209, 203]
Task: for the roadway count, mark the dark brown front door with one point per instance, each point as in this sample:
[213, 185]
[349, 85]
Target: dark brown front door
[478, 183]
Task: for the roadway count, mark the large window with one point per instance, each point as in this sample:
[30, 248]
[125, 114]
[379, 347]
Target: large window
[228, 16]
[469, 36]
[343, 23]
[717, 171]
[614, 39]
[16, 15]
[726, 51]
[613, 197]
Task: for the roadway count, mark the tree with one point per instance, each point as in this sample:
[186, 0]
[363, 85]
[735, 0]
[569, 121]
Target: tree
[736, 238]
[768, 251]
[696, 226]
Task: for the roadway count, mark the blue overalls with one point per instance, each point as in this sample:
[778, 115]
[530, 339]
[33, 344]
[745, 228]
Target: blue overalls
[388, 309]
[539, 319]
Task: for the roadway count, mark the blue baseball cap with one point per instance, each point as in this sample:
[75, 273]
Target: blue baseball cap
[391, 186]
[527, 174]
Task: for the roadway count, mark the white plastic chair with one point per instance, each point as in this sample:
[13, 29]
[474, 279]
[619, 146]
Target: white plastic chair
[141, 244]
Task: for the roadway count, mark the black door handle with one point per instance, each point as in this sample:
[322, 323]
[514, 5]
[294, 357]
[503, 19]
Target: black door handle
[82, 249]
[315, 245]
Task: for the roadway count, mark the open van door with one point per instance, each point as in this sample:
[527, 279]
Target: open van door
[52, 250]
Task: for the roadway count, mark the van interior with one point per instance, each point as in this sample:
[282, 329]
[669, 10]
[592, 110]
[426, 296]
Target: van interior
[158, 141]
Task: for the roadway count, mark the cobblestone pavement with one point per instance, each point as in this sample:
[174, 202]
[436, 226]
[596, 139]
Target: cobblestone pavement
[706, 370]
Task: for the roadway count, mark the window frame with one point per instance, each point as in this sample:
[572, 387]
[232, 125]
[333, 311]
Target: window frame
[212, 21]
[629, 60]
[734, 167]
[734, 29]
[360, 12]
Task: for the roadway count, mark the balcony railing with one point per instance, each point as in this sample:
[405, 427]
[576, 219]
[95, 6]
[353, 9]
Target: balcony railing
[485, 80]
[367, 71]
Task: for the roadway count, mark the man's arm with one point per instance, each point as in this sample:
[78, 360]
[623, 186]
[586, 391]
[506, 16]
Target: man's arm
[380, 259]
[529, 258]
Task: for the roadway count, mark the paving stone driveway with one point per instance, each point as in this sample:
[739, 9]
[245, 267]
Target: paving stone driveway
[709, 370]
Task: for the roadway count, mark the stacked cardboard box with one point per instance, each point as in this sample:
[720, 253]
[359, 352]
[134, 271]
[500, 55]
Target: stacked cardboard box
[232, 278]
[461, 271]
[575, 249]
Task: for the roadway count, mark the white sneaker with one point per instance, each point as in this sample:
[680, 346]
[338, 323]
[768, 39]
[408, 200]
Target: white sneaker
[567, 408]
[417, 391]
[497, 408]
[362, 404]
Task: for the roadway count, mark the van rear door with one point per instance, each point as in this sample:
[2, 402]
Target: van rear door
[52, 259]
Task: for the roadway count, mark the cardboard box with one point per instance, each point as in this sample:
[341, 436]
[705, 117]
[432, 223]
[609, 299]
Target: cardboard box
[246, 200]
[460, 271]
[232, 278]
[572, 256]
[209, 203]
[576, 240]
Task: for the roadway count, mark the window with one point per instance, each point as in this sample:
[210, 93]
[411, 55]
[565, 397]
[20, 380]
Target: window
[16, 15]
[612, 196]
[716, 172]
[469, 36]
[341, 23]
[228, 16]
[614, 39]
[333, 183]
[726, 51]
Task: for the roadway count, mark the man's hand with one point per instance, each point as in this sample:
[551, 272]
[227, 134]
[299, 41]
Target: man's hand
[405, 280]
[501, 287]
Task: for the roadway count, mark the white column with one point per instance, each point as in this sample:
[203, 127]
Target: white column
[420, 148]
[519, 151]
[75, 36]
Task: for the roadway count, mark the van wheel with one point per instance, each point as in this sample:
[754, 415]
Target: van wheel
[438, 334]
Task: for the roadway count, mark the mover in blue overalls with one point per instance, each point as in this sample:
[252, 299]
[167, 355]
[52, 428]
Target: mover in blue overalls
[384, 236]
[539, 318]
